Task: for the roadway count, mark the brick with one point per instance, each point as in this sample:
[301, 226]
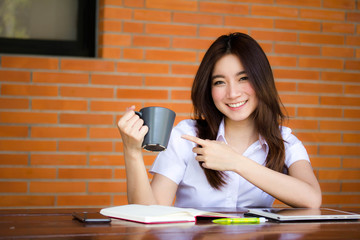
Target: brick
[60, 77]
[14, 103]
[168, 81]
[340, 101]
[351, 163]
[195, 18]
[109, 39]
[180, 95]
[27, 173]
[50, 104]
[282, 61]
[338, 27]
[29, 62]
[191, 43]
[83, 200]
[87, 92]
[57, 187]
[112, 106]
[115, 13]
[303, 124]
[169, 55]
[322, 14]
[107, 133]
[350, 187]
[297, 49]
[152, 15]
[134, 3]
[78, 118]
[14, 131]
[350, 113]
[353, 40]
[27, 145]
[58, 132]
[84, 146]
[28, 117]
[142, 67]
[227, 8]
[110, 26]
[13, 187]
[133, 27]
[340, 76]
[249, 22]
[318, 137]
[57, 159]
[107, 187]
[106, 160]
[120, 200]
[352, 89]
[169, 29]
[337, 52]
[338, 174]
[320, 88]
[321, 38]
[109, 52]
[319, 112]
[296, 74]
[214, 32]
[133, 53]
[13, 159]
[340, 4]
[330, 186]
[303, 99]
[14, 76]
[274, 11]
[87, 65]
[274, 36]
[351, 138]
[353, 16]
[142, 94]
[182, 5]
[117, 80]
[321, 63]
[297, 25]
[184, 69]
[325, 162]
[352, 65]
[339, 125]
[29, 90]
[84, 173]
[151, 41]
[339, 150]
[27, 201]
[120, 174]
[303, 3]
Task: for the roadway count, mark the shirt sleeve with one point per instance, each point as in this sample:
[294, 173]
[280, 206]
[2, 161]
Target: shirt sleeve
[173, 161]
[294, 150]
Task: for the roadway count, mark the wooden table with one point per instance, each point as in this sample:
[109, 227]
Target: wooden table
[59, 224]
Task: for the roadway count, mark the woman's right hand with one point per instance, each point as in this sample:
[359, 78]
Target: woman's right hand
[132, 129]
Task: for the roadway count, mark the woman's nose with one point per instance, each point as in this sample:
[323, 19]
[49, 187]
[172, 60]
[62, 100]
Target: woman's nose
[233, 91]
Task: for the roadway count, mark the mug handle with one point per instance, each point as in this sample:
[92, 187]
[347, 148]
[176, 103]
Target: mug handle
[138, 113]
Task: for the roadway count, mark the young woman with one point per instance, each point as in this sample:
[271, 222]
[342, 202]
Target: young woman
[235, 152]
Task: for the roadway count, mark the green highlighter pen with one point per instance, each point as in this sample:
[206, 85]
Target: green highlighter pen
[226, 221]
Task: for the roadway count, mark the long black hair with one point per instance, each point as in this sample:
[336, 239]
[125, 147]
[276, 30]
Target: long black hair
[267, 116]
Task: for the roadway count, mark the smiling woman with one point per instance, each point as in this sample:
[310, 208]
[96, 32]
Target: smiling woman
[235, 152]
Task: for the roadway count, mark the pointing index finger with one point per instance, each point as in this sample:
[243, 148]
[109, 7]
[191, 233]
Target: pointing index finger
[194, 139]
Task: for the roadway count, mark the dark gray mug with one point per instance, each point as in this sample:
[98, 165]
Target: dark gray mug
[160, 122]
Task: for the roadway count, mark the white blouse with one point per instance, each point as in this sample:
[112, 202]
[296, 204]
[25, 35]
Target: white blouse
[178, 163]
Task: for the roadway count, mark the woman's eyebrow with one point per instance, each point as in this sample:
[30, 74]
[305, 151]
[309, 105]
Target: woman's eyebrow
[222, 76]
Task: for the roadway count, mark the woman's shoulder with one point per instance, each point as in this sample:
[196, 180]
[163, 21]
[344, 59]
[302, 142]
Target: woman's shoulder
[288, 136]
[187, 126]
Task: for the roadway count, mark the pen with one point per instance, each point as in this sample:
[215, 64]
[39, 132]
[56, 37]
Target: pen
[239, 220]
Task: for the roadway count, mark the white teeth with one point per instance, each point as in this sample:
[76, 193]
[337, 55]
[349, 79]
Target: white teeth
[236, 104]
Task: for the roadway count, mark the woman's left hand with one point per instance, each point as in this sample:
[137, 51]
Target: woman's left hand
[214, 155]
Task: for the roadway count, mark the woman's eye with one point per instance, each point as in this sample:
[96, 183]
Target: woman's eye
[244, 78]
[218, 83]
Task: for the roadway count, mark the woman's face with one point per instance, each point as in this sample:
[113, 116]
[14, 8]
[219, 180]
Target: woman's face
[231, 90]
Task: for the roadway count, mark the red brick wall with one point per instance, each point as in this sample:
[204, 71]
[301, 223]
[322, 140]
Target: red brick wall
[58, 138]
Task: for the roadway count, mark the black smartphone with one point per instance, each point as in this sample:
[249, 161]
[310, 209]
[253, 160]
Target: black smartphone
[91, 217]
